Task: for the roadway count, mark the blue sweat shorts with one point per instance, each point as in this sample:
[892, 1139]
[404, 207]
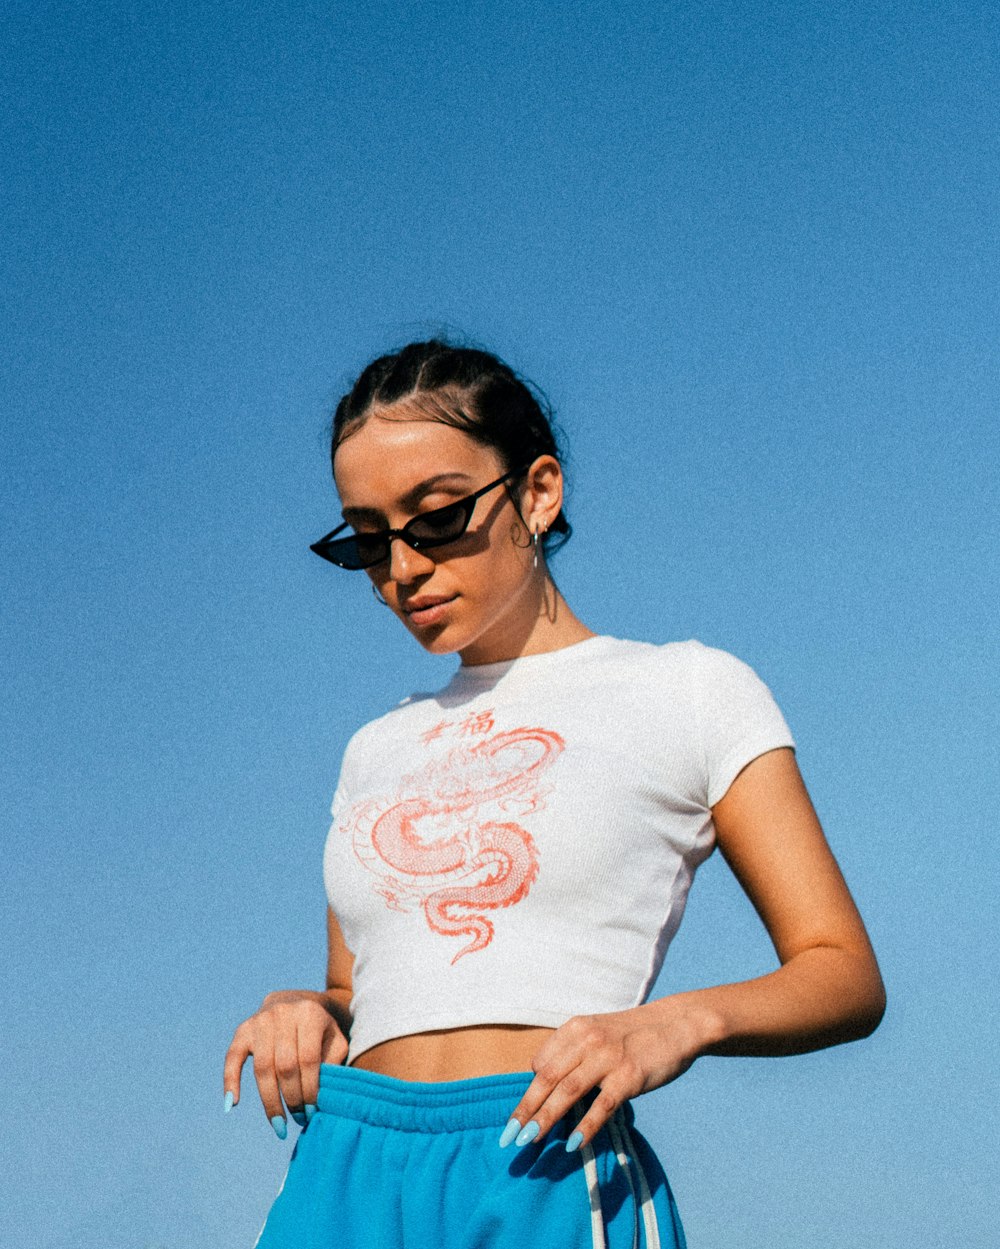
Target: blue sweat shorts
[391, 1164]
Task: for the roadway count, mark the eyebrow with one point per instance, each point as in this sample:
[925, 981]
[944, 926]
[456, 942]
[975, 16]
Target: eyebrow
[411, 498]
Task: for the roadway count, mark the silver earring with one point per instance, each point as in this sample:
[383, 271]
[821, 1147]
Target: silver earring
[534, 543]
[378, 597]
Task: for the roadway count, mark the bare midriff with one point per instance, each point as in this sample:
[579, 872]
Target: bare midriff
[455, 1053]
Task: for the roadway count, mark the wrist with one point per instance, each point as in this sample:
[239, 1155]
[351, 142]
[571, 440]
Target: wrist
[711, 1025]
[693, 1019]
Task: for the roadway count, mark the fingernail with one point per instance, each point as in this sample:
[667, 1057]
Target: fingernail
[528, 1134]
[300, 1117]
[509, 1132]
[574, 1142]
[227, 1104]
[280, 1127]
[310, 1110]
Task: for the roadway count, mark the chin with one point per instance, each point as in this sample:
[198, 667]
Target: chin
[435, 641]
[437, 646]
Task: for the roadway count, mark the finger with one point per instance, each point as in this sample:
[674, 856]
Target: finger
[583, 1080]
[612, 1094]
[331, 1047]
[529, 1121]
[267, 1085]
[286, 1065]
[310, 1044]
[318, 1046]
[237, 1054]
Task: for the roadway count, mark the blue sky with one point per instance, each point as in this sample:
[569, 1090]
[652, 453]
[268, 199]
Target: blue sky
[750, 252]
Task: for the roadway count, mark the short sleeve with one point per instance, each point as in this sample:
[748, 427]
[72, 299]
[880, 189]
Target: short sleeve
[343, 795]
[341, 802]
[738, 717]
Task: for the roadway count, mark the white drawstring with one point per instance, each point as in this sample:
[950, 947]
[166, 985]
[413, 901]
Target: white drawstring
[593, 1188]
[646, 1207]
[642, 1201]
[618, 1146]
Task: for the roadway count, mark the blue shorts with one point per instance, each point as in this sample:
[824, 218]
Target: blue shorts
[391, 1164]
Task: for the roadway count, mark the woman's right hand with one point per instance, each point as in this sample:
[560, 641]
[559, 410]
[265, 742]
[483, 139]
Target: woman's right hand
[293, 1032]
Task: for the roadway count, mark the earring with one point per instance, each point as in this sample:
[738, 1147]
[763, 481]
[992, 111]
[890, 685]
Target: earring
[378, 597]
[534, 543]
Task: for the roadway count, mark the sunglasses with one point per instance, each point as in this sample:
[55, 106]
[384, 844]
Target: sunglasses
[429, 529]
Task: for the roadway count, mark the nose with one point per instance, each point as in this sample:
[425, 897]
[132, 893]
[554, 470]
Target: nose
[406, 564]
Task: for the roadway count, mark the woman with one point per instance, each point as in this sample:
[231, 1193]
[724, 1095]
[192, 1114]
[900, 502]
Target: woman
[509, 859]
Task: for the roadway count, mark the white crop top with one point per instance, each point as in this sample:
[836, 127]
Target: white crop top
[518, 848]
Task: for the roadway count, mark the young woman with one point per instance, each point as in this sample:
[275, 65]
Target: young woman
[510, 857]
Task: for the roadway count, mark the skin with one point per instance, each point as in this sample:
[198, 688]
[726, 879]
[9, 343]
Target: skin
[497, 605]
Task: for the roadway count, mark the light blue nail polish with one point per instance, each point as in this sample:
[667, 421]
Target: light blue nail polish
[280, 1127]
[310, 1110]
[574, 1142]
[509, 1132]
[300, 1117]
[528, 1134]
[227, 1105]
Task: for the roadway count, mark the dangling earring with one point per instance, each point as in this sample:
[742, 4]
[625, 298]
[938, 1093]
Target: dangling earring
[378, 597]
[534, 543]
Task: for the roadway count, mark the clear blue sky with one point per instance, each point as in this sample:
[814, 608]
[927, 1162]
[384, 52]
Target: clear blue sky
[751, 252]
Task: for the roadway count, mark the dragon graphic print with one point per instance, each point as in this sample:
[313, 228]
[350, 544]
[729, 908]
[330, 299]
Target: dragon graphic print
[450, 841]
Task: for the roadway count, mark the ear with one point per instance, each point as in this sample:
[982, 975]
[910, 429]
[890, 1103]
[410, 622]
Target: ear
[543, 493]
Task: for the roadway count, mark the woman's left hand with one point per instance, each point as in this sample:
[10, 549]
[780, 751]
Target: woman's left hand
[623, 1053]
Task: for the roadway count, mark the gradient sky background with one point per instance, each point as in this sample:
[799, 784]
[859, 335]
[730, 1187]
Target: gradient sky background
[750, 251]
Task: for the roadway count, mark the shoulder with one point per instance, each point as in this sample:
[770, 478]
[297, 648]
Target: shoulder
[675, 685]
[705, 665]
[689, 662]
[736, 714]
[711, 667]
[711, 678]
[711, 699]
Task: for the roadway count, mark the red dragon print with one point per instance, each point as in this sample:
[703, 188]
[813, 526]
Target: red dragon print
[438, 847]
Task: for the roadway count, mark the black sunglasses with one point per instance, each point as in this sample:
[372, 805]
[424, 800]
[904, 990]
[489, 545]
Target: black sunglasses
[435, 528]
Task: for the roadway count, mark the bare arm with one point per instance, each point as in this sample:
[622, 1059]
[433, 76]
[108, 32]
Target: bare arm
[827, 989]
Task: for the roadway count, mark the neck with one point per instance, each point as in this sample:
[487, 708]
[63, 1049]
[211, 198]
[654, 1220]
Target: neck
[550, 625]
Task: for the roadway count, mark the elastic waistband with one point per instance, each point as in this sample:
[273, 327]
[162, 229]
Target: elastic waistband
[450, 1106]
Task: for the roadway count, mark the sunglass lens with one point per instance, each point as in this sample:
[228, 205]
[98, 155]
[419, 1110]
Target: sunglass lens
[352, 552]
[441, 525]
[368, 550]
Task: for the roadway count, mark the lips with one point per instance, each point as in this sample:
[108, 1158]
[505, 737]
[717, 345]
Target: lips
[427, 609]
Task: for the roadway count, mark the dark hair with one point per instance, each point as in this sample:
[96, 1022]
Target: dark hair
[468, 389]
